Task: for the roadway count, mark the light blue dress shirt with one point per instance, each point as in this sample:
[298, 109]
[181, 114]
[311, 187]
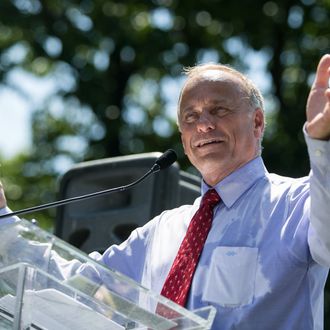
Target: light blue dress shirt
[266, 258]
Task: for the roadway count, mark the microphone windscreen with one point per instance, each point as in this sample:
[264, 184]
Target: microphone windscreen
[166, 159]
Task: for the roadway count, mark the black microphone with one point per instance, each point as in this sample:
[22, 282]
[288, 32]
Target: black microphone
[163, 162]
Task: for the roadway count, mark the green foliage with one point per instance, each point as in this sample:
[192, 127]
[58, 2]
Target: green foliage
[114, 56]
[26, 187]
[115, 60]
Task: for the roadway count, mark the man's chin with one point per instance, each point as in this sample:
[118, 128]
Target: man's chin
[210, 157]
[209, 152]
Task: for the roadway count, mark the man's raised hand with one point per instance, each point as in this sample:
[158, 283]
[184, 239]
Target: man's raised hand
[318, 104]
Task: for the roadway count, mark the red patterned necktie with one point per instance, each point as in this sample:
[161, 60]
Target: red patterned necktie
[178, 281]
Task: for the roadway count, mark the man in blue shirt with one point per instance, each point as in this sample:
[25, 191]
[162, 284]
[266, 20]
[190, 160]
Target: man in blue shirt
[265, 261]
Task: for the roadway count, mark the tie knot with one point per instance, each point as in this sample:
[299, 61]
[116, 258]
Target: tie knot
[211, 198]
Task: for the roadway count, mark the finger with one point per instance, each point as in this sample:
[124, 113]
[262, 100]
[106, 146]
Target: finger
[323, 72]
[327, 94]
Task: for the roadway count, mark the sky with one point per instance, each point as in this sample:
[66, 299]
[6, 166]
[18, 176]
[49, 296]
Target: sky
[17, 102]
[14, 123]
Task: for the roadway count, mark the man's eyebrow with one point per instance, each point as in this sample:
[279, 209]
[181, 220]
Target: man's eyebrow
[220, 100]
[210, 102]
[188, 108]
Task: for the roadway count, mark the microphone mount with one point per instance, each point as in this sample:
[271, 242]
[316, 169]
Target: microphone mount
[164, 161]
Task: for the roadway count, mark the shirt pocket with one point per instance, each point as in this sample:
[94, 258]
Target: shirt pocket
[230, 281]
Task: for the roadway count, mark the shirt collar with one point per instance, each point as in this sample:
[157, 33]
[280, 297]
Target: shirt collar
[239, 181]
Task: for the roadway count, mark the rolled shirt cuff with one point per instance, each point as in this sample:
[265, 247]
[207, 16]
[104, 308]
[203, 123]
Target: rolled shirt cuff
[9, 219]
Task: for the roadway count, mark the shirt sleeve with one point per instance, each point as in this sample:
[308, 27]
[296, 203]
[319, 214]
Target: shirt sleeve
[9, 219]
[129, 257]
[319, 233]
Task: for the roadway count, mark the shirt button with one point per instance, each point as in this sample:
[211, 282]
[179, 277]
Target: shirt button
[318, 152]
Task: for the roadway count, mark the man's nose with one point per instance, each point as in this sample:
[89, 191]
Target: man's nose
[205, 123]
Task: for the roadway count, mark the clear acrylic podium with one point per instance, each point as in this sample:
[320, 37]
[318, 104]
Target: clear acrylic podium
[46, 283]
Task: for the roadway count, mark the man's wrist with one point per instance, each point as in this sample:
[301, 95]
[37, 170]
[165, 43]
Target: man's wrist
[10, 218]
[318, 150]
[3, 201]
[4, 210]
[316, 134]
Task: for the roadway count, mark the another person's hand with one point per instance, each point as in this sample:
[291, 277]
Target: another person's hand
[3, 201]
[318, 104]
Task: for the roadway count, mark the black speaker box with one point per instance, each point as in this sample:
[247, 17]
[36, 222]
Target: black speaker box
[95, 224]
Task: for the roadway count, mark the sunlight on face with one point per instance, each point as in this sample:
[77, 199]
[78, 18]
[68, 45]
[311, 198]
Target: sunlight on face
[219, 128]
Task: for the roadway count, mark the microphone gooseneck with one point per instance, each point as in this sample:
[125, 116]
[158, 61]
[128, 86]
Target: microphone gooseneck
[163, 162]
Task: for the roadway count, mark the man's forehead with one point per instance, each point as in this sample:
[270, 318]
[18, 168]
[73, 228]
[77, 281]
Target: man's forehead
[194, 89]
[213, 75]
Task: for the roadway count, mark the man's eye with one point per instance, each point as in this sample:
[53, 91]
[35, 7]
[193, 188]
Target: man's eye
[220, 111]
[190, 117]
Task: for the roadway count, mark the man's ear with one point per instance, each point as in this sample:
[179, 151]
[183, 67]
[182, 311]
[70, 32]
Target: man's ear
[182, 142]
[259, 123]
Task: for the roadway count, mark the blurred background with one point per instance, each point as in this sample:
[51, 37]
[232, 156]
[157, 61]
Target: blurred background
[92, 79]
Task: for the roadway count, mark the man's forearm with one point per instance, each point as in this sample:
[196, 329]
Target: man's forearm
[319, 234]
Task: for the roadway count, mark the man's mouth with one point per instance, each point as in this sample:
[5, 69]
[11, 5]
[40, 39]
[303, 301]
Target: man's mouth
[207, 142]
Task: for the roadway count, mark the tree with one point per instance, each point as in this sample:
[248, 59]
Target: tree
[118, 65]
